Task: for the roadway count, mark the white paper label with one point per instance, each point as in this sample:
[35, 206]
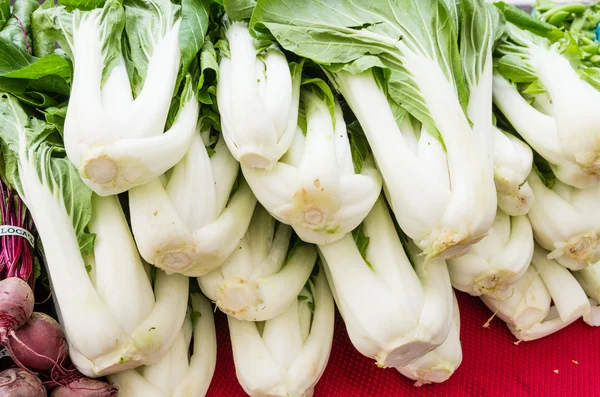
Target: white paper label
[7, 230]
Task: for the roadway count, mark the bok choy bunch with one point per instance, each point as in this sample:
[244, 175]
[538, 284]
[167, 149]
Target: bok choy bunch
[513, 161]
[265, 275]
[565, 222]
[192, 218]
[258, 95]
[438, 365]
[498, 260]
[177, 373]
[120, 99]
[438, 176]
[545, 300]
[394, 313]
[589, 279]
[538, 87]
[190, 221]
[286, 355]
[92, 259]
[318, 188]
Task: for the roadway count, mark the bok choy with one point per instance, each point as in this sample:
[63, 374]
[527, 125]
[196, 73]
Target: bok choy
[537, 64]
[394, 313]
[92, 259]
[438, 365]
[316, 187]
[192, 218]
[527, 309]
[394, 59]
[286, 355]
[265, 275]
[498, 260]
[178, 373]
[258, 97]
[119, 101]
[564, 221]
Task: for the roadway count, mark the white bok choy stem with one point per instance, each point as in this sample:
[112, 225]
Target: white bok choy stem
[539, 131]
[149, 322]
[528, 312]
[498, 260]
[191, 225]
[565, 222]
[264, 275]
[511, 158]
[178, 373]
[394, 314]
[438, 365]
[117, 141]
[513, 161]
[569, 133]
[418, 174]
[315, 188]
[257, 94]
[104, 335]
[589, 279]
[286, 355]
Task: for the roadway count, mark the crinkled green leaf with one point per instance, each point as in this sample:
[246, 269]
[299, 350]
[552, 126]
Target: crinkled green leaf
[4, 12]
[194, 26]
[82, 4]
[43, 44]
[56, 116]
[591, 75]
[516, 68]
[19, 65]
[239, 9]
[39, 93]
[477, 35]
[209, 73]
[323, 91]
[146, 22]
[57, 23]
[17, 29]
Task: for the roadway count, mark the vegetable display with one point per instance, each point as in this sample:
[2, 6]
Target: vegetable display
[276, 160]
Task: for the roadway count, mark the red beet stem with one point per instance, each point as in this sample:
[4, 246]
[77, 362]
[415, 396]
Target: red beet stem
[16, 253]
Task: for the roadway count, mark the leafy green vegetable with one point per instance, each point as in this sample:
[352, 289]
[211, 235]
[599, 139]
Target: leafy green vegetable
[355, 36]
[362, 243]
[239, 9]
[544, 170]
[28, 140]
[525, 21]
[17, 29]
[358, 145]
[4, 12]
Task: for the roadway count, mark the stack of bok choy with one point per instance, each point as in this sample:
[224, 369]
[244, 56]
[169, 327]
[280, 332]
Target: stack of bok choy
[279, 159]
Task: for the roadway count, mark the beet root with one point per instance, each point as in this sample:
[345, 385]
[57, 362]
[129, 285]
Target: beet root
[84, 387]
[16, 305]
[16, 382]
[40, 345]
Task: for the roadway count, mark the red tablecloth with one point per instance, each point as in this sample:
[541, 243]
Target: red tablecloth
[564, 364]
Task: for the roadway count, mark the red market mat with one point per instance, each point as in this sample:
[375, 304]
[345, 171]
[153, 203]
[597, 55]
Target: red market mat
[564, 364]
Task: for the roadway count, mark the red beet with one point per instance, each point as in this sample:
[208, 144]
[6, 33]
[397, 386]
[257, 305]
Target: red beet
[40, 345]
[16, 382]
[16, 305]
[84, 387]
